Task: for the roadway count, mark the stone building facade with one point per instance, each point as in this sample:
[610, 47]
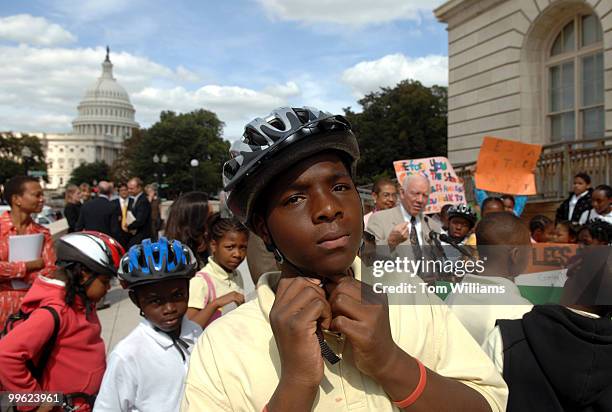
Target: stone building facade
[537, 71]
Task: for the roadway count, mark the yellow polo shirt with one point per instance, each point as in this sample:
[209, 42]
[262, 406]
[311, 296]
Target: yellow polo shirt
[235, 365]
[224, 283]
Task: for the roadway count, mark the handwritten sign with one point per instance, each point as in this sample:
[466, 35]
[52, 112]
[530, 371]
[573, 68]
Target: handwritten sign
[445, 185]
[507, 166]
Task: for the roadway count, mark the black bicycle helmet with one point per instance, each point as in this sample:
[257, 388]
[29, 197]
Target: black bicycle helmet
[463, 211]
[269, 146]
[97, 251]
[150, 262]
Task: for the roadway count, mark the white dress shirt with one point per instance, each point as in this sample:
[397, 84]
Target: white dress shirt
[572, 203]
[145, 371]
[123, 203]
[407, 218]
[478, 312]
[589, 215]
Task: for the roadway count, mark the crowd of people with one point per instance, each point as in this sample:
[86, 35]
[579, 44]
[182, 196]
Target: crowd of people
[312, 336]
[129, 214]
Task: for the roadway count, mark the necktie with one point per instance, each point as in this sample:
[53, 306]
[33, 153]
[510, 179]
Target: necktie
[124, 214]
[414, 238]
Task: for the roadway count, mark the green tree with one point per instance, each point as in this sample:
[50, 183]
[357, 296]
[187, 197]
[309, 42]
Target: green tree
[407, 121]
[90, 173]
[12, 161]
[181, 137]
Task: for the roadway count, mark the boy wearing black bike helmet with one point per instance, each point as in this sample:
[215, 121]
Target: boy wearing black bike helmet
[55, 344]
[147, 368]
[461, 221]
[317, 340]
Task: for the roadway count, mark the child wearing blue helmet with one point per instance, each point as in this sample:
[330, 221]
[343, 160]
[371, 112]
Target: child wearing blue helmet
[146, 370]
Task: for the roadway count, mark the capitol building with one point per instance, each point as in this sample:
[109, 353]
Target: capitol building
[105, 119]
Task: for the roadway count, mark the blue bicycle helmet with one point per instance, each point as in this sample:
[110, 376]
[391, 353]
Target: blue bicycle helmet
[150, 262]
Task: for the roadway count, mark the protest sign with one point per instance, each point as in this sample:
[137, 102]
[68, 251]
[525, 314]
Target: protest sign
[445, 185]
[506, 166]
[546, 272]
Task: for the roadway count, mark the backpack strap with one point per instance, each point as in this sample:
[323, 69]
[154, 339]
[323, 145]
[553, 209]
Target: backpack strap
[212, 293]
[37, 370]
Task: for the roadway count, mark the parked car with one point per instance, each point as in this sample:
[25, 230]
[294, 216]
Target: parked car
[45, 217]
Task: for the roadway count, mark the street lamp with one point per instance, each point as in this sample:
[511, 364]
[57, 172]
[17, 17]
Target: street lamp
[26, 153]
[156, 160]
[194, 164]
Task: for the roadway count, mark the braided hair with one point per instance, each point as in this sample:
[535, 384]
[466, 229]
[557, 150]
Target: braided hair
[218, 226]
[600, 230]
[71, 273]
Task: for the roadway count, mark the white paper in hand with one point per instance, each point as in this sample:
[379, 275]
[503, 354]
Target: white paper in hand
[129, 218]
[24, 248]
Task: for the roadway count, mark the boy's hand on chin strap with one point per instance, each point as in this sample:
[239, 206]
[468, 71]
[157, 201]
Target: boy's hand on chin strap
[300, 305]
[363, 317]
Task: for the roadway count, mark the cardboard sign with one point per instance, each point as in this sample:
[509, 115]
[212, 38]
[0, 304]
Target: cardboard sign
[445, 185]
[507, 166]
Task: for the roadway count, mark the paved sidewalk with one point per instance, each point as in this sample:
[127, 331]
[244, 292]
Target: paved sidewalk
[119, 319]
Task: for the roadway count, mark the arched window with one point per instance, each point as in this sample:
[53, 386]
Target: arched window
[576, 81]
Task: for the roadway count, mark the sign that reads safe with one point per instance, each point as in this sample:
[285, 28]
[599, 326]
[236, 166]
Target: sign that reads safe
[445, 185]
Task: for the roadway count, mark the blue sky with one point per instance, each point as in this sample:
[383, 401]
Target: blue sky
[239, 58]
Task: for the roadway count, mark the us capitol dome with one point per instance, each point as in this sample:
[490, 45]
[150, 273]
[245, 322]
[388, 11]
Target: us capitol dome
[106, 109]
[105, 119]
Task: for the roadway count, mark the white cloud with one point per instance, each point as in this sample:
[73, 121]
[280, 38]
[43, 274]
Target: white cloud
[348, 12]
[234, 105]
[40, 89]
[187, 75]
[368, 76]
[24, 28]
[289, 89]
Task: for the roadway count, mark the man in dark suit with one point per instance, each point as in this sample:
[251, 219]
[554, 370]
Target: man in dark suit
[140, 208]
[122, 203]
[99, 213]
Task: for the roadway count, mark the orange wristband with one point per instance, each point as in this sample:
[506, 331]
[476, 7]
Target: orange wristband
[414, 396]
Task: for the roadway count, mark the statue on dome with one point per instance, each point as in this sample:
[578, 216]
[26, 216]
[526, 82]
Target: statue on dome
[107, 54]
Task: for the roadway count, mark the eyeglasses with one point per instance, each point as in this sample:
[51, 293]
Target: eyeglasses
[387, 195]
